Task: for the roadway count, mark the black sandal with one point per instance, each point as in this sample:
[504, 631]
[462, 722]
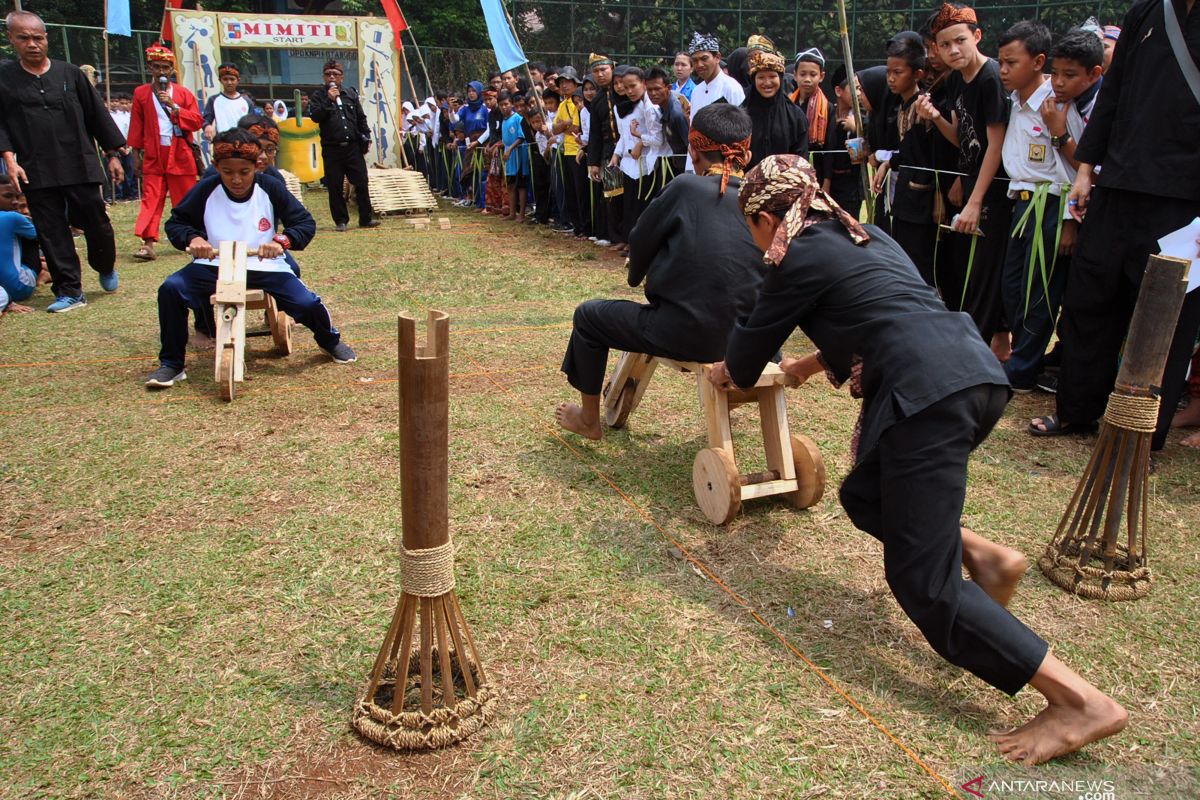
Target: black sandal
[1055, 428]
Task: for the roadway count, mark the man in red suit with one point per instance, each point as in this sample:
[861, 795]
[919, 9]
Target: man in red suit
[163, 119]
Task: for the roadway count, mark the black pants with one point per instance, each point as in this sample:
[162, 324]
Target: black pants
[54, 211]
[595, 209]
[638, 194]
[345, 161]
[615, 207]
[600, 326]
[908, 492]
[539, 178]
[1118, 235]
[978, 294]
[573, 180]
[917, 240]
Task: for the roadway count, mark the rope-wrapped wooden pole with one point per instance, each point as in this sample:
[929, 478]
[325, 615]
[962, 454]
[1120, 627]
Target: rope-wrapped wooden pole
[427, 690]
[1087, 555]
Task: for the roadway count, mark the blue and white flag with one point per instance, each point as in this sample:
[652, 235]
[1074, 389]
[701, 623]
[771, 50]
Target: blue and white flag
[118, 18]
[508, 53]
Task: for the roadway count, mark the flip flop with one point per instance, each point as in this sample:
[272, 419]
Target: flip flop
[1056, 428]
[145, 254]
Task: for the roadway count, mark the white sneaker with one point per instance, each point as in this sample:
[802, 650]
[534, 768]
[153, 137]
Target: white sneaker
[603, 243]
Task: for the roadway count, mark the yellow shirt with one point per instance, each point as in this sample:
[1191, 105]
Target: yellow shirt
[568, 111]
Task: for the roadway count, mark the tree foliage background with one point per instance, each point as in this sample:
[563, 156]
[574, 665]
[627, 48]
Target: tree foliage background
[454, 40]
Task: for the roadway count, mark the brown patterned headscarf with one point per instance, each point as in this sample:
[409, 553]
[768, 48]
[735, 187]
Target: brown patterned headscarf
[766, 59]
[734, 155]
[247, 150]
[950, 14]
[787, 184]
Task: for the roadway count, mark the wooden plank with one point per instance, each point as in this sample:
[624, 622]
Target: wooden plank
[777, 440]
[406, 641]
[452, 617]
[768, 489]
[388, 644]
[440, 613]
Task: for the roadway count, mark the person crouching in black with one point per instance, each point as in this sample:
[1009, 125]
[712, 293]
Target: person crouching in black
[882, 329]
[345, 139]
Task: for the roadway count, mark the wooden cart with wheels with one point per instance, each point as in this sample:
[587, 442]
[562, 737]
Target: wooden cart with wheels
[231, 301]
[794, 470]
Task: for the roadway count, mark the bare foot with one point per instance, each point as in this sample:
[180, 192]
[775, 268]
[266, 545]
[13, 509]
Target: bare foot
[1002, 345]
[1060, 729]
[1192, 441]
[1076, 714]
[570, 416]
[202, 341]
[43, 278]
[998, 572]
[1188, 417]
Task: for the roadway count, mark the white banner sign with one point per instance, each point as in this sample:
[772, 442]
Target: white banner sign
[238, 30]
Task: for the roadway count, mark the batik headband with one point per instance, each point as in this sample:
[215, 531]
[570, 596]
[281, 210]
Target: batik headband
[761, 59]
[263, 132]
[1112, 32]
[599, 60]
[228, 69]
[760, 42]
[812, 55]
[949, 15]
[787, 185]
[249, 151]
[702, 43]
[734, 156]
[156, 52]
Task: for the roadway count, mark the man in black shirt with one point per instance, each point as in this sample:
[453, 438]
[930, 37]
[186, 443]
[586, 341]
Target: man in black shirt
[699, 264]
[49, 116]
[1149, 186]
[345, 139]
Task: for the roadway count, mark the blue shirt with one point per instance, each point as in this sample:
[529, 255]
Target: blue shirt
[18, 283]
[686, 88]
[511, 133]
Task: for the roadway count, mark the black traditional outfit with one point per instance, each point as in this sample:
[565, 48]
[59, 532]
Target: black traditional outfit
[602, 141]
[855, 294]
[50, 121]
[345, 139]
[1144, 132]
[701, 271]
[780, 126]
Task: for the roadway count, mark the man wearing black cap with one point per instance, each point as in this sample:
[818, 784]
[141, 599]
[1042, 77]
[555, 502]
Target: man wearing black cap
[345, 139]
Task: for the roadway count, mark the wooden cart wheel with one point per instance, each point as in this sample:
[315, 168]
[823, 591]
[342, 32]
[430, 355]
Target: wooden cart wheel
[227, 389]
[281, 328]
[617, 417]
[715, 482]
[810, 472]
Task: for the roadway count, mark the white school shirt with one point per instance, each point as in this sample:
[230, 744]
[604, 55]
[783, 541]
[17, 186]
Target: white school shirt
[122, 119]
[1029, 158]
[251, 221]
[649, 121]
[585, 125]
[708, 92]
[228, 110]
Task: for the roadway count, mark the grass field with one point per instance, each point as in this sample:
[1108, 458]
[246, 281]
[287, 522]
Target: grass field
[193, 592]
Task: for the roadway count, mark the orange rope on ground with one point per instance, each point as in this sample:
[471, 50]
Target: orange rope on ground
[820, 673]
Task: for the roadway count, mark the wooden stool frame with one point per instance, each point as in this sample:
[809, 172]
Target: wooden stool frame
[231, 301]
[794, 470]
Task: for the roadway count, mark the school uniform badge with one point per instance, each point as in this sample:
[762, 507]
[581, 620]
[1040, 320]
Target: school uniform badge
[264, 225]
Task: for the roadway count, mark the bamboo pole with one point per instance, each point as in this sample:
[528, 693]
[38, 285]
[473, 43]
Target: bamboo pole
[1088, 555]
[400, 106]
[421, 60]
[428, 651]
[852, 87]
